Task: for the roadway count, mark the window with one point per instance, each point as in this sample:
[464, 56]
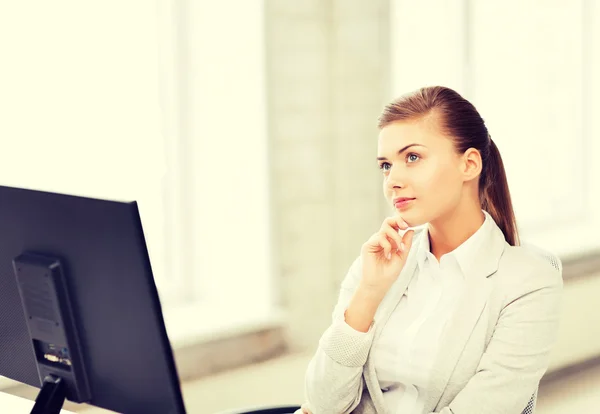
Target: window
[152, 102]
[224, 142]
[80, 99]
[533, 86]
[80, 105]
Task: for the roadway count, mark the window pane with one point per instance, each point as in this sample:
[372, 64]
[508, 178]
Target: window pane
[80, 105]
[527, 82]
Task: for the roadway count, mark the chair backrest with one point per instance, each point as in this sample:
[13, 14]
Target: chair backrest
[275, 409]
[531, 404]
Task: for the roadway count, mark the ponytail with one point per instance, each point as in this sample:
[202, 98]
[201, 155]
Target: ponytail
[495, 195]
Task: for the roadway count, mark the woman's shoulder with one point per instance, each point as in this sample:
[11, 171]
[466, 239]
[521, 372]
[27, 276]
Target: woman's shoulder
[530, 256]
[529, 267]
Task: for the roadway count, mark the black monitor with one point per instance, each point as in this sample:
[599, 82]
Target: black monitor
[80, 316]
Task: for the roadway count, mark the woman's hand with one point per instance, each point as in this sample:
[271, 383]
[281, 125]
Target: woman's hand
[384, 255]
[305, 409]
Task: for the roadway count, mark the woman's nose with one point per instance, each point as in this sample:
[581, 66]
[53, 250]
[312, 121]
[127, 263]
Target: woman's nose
[396, 178]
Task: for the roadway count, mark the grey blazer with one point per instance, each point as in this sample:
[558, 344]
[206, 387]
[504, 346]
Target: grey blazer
[494, 350]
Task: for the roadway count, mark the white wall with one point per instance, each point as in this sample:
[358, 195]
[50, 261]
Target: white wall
[327, 81]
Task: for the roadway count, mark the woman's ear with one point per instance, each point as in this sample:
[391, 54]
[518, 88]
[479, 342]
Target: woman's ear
[472, 164]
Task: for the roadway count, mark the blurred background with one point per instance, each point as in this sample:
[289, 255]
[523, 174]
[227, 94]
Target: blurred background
[246, 131]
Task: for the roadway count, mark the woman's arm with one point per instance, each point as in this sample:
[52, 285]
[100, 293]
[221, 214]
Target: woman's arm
[518, 353]
[333, 382]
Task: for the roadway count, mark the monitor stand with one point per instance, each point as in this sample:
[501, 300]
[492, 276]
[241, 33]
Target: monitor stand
[55, 342]
[51, 397]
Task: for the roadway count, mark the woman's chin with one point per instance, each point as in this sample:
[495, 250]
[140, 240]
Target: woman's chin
[412, 218]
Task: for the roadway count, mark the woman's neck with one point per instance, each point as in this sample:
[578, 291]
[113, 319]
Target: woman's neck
[452, 230]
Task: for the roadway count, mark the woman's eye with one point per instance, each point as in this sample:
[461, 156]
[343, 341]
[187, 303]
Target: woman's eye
[412, 157]
[385, 166]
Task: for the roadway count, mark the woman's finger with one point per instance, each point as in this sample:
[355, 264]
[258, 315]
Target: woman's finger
[385, 244]
[392, 236]
[395, 222]
[407, 239]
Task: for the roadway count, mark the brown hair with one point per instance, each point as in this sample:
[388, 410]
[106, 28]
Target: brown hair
[460, 120]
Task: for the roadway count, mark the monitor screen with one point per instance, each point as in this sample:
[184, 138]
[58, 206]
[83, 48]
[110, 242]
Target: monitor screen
[78, 301]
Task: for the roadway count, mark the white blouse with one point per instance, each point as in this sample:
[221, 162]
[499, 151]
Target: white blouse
[404, 352]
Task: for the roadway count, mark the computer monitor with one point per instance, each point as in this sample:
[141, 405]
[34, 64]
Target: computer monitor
[80, 316]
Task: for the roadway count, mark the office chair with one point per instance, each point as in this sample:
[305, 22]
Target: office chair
[276, 409]
[529, 409]
[291, 409]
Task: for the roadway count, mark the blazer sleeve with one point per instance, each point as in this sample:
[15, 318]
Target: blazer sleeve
[517, 355]
[333, 380]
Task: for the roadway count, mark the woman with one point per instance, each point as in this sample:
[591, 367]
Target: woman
[452, 317]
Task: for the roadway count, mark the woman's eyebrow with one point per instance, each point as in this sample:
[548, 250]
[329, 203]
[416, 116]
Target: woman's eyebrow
[401, 151]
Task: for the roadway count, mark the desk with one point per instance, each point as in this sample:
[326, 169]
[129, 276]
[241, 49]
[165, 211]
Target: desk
[18, 405]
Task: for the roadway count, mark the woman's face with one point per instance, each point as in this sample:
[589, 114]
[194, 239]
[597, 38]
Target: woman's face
[421, 164]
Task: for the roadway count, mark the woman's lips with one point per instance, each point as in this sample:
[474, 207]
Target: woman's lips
[401, 203]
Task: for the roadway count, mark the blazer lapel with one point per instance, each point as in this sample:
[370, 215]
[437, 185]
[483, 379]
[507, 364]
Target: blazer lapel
[468, 311]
